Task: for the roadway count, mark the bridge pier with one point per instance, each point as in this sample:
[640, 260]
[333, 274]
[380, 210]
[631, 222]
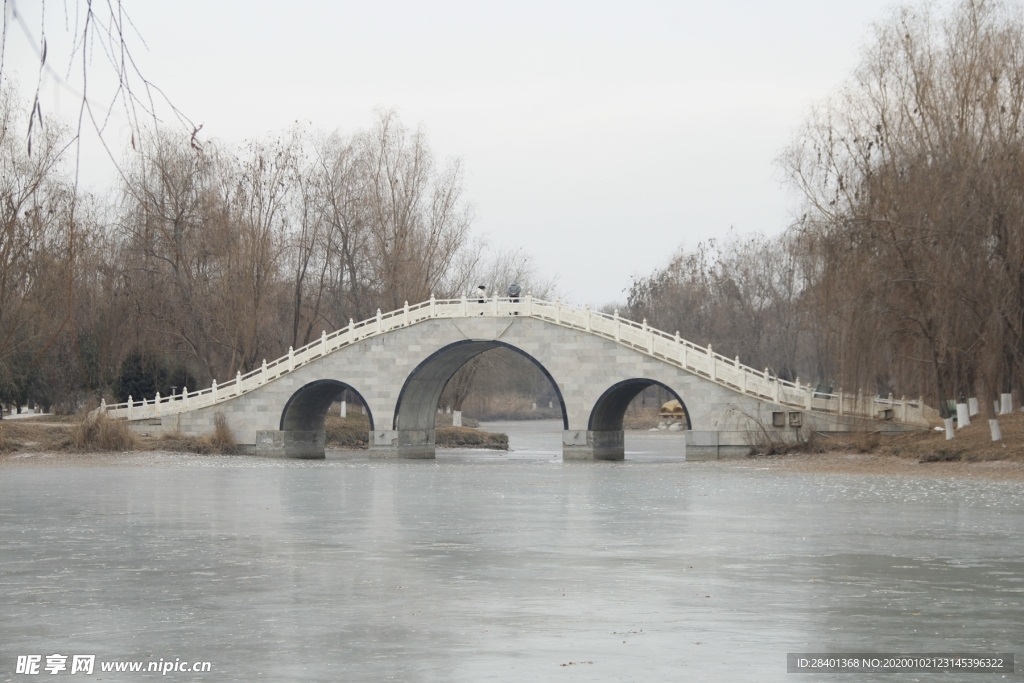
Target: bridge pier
[585, 444]
[409, 444]
[304, 445]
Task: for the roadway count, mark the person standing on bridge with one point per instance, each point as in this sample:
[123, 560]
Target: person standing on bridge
[481, 293]
[514, 290]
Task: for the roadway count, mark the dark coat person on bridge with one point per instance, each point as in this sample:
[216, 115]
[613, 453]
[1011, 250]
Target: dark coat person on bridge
[514, 290]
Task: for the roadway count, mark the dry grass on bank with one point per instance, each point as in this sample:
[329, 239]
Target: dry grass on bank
[973, 443]
[354, 430]
[220, 442]
[467, 437]
[100, 433]
[505, 407]
[21, 435]
[347, 432]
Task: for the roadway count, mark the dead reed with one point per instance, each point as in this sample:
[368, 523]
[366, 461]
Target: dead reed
[100, 433]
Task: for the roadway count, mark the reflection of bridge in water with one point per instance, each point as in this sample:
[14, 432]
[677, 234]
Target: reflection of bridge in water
[398, 363]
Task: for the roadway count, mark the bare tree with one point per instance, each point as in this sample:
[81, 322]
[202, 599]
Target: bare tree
[911, 176]
[416, 218]
[34, 207]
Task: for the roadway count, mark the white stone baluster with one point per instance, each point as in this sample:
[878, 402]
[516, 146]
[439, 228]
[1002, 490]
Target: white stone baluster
[586, 315]
[903, 401]
[131, 404]
[156, 404]
[323, 342]
[529, 304]
[712, 367]
[379, 322]
[351, 331]
[263, 372]
[558, 311]
[213, 391]
[494, 305]
[238, 383]
[433, 306]
[291, 356]
[465, 306]
[618, 326]
[184, 398]
[840, 400]
[405, 315]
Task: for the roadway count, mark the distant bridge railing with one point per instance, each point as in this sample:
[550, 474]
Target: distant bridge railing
[699, 360]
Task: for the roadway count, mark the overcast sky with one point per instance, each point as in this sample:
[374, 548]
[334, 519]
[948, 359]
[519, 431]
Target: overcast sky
[599, 137]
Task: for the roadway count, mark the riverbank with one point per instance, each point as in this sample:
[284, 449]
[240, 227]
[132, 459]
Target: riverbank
[56, 435]
[971, 453]
[922, 453]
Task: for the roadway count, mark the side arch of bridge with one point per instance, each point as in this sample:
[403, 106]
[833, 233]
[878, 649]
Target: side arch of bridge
[610, 409]
[307, 408]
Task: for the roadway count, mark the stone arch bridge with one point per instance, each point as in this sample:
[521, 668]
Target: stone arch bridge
[400, 362]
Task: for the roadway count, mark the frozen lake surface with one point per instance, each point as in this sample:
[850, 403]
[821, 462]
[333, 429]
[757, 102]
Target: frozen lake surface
[488, 567]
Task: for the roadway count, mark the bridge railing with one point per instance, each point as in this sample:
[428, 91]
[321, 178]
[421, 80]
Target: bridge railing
[700, 360]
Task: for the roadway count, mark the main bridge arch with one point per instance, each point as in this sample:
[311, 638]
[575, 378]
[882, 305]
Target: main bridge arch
[416, 406]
